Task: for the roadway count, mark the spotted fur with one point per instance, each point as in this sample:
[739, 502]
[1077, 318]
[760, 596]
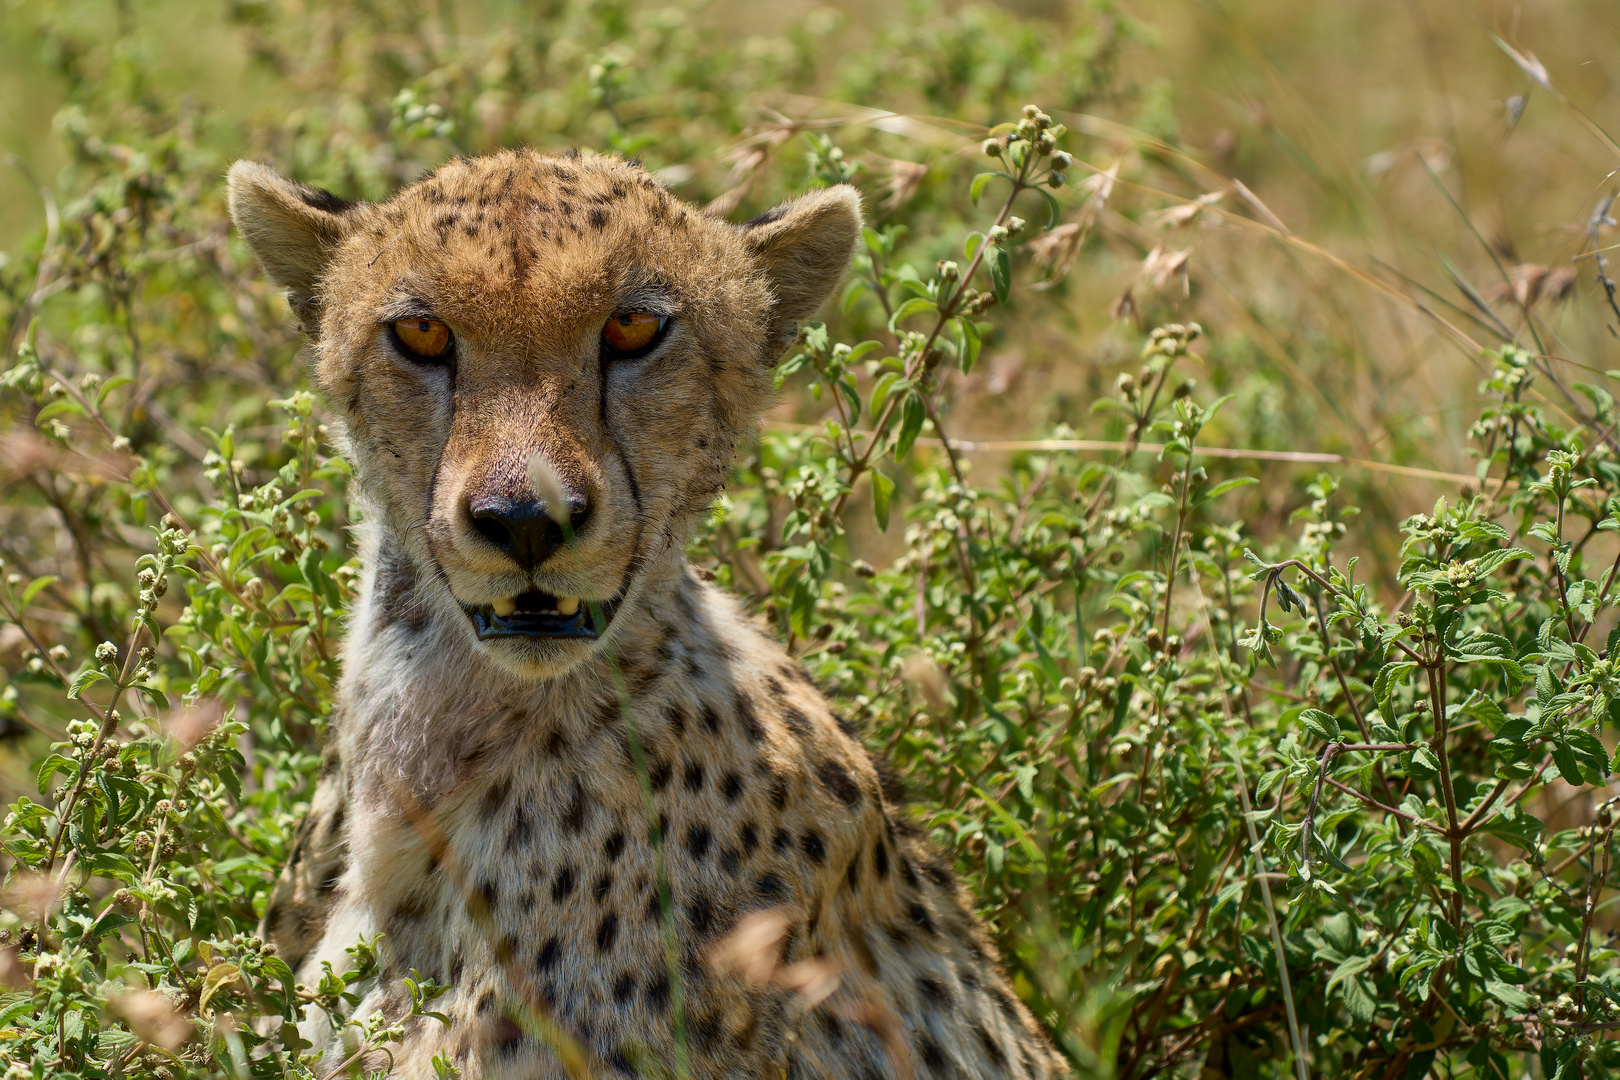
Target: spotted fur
[484, 809]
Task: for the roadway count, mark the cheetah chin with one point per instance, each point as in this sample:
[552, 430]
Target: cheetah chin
[535, 614]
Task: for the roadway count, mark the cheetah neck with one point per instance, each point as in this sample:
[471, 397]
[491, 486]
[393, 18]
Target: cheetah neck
[421, 705]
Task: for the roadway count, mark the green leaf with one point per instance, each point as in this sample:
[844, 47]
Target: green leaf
[882, 489]
[1228, 485]
[1053, 209]
[909, 308]
[1492, 561]
[1000, 265]
[1516, 1000]
[967, 334]
[912, 416]
[886, 384]
[976, 189]
[1320, 724]
[59, 407]
[1568, 767]
[110, 385]
[33, 588]
[86, 678]
[53, 764]
[217, 977]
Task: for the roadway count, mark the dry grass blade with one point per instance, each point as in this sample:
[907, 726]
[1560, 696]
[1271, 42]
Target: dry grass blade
[152, 1017]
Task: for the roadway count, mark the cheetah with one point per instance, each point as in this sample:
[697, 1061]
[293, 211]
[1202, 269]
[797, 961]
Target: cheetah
[567, 772]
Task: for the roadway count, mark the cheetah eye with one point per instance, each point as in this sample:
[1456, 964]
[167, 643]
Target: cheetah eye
[423, 339]
[632, 334]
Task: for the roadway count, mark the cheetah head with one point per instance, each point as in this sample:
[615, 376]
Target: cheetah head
[542, 366]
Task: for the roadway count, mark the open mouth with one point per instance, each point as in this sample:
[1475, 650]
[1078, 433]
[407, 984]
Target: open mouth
[540, 615]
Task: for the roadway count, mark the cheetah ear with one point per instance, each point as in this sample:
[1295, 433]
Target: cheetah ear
[803, 247]
[292, 229]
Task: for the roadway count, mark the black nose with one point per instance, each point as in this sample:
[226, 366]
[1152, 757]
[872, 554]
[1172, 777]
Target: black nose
[522, 528]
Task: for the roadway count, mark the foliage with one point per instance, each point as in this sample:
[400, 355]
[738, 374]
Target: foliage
[1369, 833]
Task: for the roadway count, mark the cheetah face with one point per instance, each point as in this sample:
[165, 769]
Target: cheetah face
[542, 366]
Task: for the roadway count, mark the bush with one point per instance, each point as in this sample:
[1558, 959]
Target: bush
[1371, 835]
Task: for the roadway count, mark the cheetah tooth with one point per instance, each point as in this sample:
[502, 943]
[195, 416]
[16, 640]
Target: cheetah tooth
[567, 605]
[502, 607]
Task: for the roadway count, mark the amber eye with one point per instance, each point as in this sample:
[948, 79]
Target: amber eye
[427, 339]
[633, 332]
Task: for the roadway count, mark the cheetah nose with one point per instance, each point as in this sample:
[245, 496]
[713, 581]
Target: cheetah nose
[522, 527]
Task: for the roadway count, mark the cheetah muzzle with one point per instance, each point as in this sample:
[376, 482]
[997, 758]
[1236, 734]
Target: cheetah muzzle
[553, 741]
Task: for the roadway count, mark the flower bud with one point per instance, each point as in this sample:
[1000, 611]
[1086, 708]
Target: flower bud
[991, 148]
[1055, 180]
[1062, 159]
[1031, 112]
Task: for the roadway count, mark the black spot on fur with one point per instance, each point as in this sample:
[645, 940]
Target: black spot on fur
[598, 218]
[658, 774]
[796, 722]
[694, 776]
[490, 894]
[814, 845]
[773, 214]
[506, 1036]
[607, 931]
[749, 720]
[657, 992]
[546, 959]
[933, 990]
[495, 798]
[779, 791]
[938, 873]
[846, 727]
[675, 717]
[564, 885]
[603, 886]
[323, 200]
[698, 838]
[623, 987]
[852, 875]
[749, 839]
[932, 1056]
[614, 846]
[908, 872]
[578, 805]
[711, 719]
[781, 840]
[920, 916]
[517, 833]
[836, 779]
[700, 913]
[991, 1047]
[731, 786]
[769, 888]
